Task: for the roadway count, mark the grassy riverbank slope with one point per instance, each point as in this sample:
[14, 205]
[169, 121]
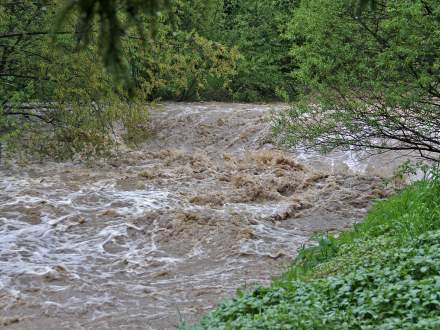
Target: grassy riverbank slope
[383, 274]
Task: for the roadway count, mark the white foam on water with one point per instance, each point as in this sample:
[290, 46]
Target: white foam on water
[86, 247]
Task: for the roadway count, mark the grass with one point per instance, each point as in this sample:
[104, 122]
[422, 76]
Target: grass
[383, 274]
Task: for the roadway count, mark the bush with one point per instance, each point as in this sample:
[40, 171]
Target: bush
[58, 100]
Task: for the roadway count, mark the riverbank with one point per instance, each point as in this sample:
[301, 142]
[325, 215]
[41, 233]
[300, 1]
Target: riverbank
[383, 274]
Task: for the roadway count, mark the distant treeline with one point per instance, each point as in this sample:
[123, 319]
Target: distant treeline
[358, 60]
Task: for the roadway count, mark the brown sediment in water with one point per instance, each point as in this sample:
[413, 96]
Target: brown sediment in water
[207, 206]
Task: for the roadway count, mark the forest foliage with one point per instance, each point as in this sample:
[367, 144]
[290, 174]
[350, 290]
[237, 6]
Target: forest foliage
[369, 80]
[59, 96]
[73, 73]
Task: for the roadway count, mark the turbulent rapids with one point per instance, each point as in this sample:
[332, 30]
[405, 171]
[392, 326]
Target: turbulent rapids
[166, 232]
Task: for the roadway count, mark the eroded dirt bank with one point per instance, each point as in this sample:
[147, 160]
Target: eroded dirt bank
[206, 207]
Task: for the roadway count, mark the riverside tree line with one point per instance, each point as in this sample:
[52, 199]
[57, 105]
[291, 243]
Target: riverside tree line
[359, 74]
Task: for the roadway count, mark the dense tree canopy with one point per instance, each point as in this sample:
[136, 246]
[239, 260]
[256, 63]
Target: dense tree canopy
[58, 97]
[365, 72]
[257, 29]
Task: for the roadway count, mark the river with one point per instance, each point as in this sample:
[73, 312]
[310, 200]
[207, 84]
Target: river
[165, 232]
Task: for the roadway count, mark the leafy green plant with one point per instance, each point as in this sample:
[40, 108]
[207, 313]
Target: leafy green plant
[369, 80]
[257, 29]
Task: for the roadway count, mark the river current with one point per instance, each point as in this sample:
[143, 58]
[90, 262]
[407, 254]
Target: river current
[165, 232]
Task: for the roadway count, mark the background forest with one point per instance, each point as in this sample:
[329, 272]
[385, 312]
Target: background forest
[67, 75]
[59, 95]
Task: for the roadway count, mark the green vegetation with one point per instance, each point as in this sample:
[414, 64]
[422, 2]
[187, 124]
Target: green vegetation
[54, 99]
[378, 71]
[70, 70]
[59, 100]
[115, 19]
[383, 274]
[257, 30]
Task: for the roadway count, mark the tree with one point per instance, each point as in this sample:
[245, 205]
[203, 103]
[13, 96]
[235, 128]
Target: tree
[58, 97]
[369, 81]
[54, 99]
[180, 61]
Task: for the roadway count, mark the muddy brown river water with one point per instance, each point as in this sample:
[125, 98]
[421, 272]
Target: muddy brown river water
[169, 230]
